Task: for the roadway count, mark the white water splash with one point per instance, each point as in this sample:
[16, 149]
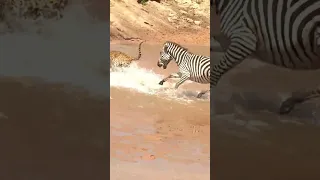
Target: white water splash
[146, 81]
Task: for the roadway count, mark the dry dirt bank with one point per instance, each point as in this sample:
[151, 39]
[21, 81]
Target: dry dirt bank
[182, 21]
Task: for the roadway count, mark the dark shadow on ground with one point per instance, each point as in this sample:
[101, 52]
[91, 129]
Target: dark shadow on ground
[48, 133]
[249, 139]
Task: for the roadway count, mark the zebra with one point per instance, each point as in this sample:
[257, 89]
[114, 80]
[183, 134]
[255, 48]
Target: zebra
[285, 33]
[191, 66]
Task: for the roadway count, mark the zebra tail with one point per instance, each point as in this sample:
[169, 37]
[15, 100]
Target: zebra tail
[318, 39]
[139, 51]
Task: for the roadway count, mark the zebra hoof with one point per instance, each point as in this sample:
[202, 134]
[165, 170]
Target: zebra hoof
[161, 82]
[199, 95]
[287, 106]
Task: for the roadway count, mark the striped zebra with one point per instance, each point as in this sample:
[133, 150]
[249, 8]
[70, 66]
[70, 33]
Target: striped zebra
[285, 33]
[191, 66]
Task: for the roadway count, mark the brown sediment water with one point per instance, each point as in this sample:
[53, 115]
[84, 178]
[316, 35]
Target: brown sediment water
[250, 138]
[157, 131]
[47, 133]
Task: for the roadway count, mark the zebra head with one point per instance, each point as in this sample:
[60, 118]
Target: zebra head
[164, 59]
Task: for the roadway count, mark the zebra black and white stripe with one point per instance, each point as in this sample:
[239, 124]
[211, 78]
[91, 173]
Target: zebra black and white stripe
[285, 33]
[191, 66]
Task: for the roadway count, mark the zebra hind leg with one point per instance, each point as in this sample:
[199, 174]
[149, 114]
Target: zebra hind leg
[171, 76]
[183, 79]
[297, 98]
[317, 40]
[202, 93]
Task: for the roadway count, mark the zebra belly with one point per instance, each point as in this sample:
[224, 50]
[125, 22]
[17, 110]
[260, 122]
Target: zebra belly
[200, 79]
[282, 59]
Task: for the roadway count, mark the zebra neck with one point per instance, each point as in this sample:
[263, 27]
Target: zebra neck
[179, 57]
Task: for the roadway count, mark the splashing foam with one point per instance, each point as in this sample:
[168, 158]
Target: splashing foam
[146, 81]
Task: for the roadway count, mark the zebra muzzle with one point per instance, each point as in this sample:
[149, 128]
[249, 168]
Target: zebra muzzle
[159, 64]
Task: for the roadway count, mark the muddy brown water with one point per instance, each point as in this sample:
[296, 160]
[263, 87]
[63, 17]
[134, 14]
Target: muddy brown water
[142, 124]
[47, 133]
[248, 135]
[250, 138]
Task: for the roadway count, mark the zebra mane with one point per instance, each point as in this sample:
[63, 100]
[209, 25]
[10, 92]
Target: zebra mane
[171, 42]
[220, 5]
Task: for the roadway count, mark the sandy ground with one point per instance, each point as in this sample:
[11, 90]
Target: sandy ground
[182, 21]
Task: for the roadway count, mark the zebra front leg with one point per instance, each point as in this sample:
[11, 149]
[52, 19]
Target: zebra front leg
[183, 79]
[171, 76]
[297, 98]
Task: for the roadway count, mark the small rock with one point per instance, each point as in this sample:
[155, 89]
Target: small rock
[185, 2]
[172, 14]
[148, 157]
[197, 22]
[189, 20]
[183, 12]
[175, 17]
[195, 6]
[170, 19]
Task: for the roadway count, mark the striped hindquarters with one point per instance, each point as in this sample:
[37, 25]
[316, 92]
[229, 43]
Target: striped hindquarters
[199, 68]
[286, 30]
[242, 41]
